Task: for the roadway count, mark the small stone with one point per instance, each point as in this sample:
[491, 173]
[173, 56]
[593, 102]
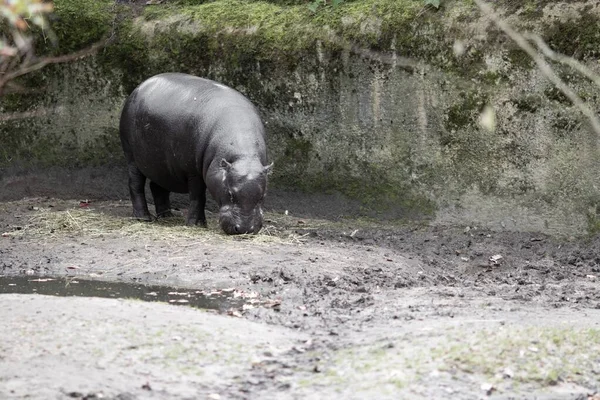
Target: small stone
[488, 388]
[507, 373]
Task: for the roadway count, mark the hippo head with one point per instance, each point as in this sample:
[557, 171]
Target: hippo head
[242, 191]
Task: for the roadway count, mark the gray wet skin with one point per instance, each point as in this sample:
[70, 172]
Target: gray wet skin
[188, 134]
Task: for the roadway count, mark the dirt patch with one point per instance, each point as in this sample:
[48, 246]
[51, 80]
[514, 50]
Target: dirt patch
[377, 310]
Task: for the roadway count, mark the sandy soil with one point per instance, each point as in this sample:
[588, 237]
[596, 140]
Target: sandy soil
[352, 307]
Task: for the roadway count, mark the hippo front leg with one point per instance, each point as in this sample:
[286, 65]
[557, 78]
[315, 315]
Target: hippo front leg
[197, 188]
[137, 184]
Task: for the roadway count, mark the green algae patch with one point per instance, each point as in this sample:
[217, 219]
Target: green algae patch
[540, 355]
[534, 357]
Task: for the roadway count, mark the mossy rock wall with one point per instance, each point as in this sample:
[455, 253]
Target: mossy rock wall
[366, 99]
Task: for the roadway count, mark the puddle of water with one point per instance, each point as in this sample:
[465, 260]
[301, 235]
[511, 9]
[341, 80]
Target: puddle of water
[219, 300]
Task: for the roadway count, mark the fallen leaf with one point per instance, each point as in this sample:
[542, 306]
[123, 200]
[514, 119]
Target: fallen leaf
[299, 349]
[496, 259]
[272, 303]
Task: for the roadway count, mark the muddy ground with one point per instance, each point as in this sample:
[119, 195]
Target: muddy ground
[341, 306]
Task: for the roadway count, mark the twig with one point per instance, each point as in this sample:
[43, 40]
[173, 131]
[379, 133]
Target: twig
[561, 58]
[74, 220]
[544, 67]
[44, 61]
[29, 114]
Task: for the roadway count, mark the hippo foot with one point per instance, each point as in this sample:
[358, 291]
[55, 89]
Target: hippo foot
[144, 218]
[196, 222]
[165, 214]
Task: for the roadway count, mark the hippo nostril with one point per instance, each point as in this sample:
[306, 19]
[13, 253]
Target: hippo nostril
[237, 229]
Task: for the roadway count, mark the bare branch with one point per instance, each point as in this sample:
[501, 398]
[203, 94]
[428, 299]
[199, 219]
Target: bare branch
[30, 114]
[544, 67]
[44, 61]
[561, 58]
[14, 88]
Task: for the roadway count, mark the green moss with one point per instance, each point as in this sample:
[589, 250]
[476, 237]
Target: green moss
[528, 103]
[286, 32]
[78, 24]
[104, 149]
[128, 58]
[565, 124]
[462, 114]
[576, 38]
[555, 94]
[593, 219]
[518, 58]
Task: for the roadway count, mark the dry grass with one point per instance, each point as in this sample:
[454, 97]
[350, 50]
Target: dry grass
[95, 223]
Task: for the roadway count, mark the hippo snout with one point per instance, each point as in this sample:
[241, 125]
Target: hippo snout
[234, 222]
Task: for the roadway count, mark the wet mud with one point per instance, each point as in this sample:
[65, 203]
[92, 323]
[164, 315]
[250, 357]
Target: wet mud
[359, 308]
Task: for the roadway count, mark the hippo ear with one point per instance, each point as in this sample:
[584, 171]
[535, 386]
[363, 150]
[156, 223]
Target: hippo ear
[225, 165]
[268, 169]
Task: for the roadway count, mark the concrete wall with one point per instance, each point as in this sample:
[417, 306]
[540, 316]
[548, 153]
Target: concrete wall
[377, 108]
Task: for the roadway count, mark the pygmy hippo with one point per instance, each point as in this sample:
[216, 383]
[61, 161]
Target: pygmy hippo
[186, 134]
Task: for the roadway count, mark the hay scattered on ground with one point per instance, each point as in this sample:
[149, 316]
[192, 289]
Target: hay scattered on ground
[95, 223]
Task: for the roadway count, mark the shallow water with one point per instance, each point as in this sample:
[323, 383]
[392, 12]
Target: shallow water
[54, 286]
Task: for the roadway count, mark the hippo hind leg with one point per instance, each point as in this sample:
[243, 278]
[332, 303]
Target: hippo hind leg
[162, 203]
[197, 188]
[137, 184]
